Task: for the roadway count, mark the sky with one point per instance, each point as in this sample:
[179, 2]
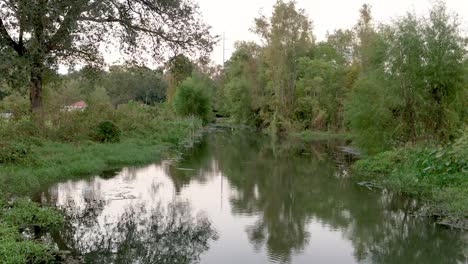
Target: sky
[234, 18]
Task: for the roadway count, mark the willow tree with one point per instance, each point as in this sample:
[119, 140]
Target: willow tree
[48, 32]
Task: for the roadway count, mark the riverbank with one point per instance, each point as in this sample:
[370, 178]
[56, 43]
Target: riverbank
[46, 162]
[438, 175]
[51, 161]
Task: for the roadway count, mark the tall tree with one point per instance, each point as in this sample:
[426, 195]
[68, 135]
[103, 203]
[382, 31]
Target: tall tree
[288, 36]
[365, 33]
[445, 50]
[405, 66]
[244, 90]
[179, 68]
[45, 32]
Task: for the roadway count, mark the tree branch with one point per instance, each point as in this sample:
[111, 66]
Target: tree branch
[18, 47]
[75, 10]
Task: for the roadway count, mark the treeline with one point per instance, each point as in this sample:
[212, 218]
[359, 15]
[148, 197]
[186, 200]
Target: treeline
[385, 83]
[118, 85]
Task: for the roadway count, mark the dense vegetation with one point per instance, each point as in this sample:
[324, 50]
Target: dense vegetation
[387, 84]
[67, 146]
[399, 89]
[55, 127]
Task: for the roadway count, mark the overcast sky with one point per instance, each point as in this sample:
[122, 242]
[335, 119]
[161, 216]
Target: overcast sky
[235, 17]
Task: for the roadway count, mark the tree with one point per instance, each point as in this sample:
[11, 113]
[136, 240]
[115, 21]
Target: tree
[191, 99]
[179, 68]
[288, 36]
[365, 33]
[46, 32]
[244, 85]
[319, 93]
[405, 62]
[126, 83]
[445, 50]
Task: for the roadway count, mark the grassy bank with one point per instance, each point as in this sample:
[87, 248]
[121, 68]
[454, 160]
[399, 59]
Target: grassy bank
[51, 161]
[65, 147]
[438, 175]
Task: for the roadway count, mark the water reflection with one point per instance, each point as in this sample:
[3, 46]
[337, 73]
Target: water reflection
[129, 220]
[268, 204]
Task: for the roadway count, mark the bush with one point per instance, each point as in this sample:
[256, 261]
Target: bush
[25, 213]
[134, 116]
[191, 100]
[14, 252]
[107, 132]
[13, 152]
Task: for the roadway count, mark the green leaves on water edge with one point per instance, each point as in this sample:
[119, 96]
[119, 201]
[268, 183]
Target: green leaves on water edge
[20, 215]
[447, 164]
[23, 213]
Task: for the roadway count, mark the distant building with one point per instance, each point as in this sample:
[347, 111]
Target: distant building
[77, 106]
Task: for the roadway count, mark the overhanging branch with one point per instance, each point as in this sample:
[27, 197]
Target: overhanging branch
[18, 47]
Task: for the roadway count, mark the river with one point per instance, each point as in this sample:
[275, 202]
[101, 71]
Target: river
[237, 198]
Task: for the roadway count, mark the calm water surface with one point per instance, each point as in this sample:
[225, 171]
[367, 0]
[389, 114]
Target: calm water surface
[236, 198]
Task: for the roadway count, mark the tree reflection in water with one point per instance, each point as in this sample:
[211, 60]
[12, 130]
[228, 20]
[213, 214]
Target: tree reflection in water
[159, 234]
[292, 193]
[289, 186]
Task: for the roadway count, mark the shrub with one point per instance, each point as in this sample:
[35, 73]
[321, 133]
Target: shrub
[14, 252]
[21, 214]
[25, 213]
[107, 132]
[191, 100]
[13, 152]
[134, 116]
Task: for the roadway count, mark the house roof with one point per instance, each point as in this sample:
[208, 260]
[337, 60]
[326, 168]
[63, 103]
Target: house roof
[80, 104]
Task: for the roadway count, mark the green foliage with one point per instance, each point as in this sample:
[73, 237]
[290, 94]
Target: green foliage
[17, 216]
[446, 164]
[12, 152]
[288, 34]
[390, 84]
[107, 132]
[14, 252]
[445, 50]
[244, 84]
[24, 213]
[237, 100]
[438, 174]
[319, 94]
[17, 103]
[47, 35]
[369, 114]
[180, 68]
[53, 161]
[191, 99]
[400, 98]
[124, 84]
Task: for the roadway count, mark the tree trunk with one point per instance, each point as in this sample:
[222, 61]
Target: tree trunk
[35, 94]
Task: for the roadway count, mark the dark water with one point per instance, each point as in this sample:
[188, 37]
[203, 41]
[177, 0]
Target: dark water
[236, 198]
